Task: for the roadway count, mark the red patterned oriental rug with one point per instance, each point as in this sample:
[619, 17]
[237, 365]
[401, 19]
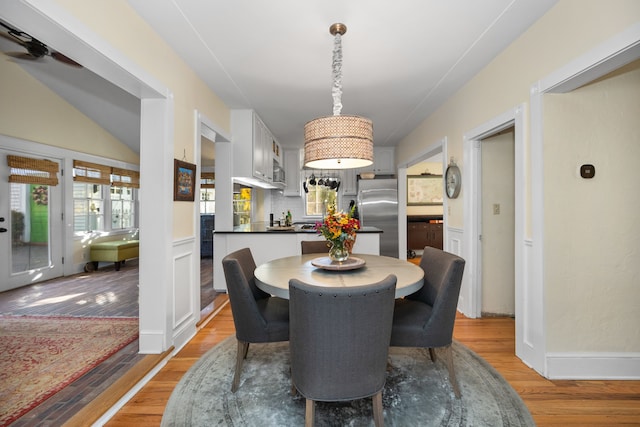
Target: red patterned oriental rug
[41, 355]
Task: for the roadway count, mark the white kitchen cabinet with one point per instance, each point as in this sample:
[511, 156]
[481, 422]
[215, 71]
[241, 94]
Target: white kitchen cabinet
[252, 146]
[384, 161]
[292, 167]
[258, 147]
[263, 166]
[349, 182]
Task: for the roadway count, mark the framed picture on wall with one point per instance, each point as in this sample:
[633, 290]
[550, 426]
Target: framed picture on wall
[424, 190]
[184, 181]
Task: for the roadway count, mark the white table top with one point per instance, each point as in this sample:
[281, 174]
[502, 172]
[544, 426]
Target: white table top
[273, 277]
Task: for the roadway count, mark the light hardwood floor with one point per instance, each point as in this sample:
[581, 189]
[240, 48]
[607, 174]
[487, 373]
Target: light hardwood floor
[552, 403]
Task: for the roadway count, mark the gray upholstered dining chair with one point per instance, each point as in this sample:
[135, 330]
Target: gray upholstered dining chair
[426, 317]
[314, 246]
[339, 342]
[258, 317]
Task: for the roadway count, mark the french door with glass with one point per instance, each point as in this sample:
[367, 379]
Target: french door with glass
[30, 219]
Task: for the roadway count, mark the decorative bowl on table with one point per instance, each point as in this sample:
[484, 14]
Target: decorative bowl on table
[326, 263]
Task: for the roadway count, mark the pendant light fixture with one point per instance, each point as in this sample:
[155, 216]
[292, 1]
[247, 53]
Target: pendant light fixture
[338, 142]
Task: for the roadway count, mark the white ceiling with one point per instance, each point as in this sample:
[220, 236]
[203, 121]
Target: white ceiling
[401, 59]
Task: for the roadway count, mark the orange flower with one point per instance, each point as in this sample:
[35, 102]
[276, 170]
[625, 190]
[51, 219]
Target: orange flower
[339, 228]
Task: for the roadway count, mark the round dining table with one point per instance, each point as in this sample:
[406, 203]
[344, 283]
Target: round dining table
[316, 269]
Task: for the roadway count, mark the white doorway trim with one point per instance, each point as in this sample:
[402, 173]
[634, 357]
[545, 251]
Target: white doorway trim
[204, 128]
[526, 320]
[610, 55]
[432, 150]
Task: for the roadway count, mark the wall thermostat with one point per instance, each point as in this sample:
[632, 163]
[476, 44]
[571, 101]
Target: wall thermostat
[587, 171]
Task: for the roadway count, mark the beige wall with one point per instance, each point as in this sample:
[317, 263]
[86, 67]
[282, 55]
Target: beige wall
[31, 111]
[569, 29]
[592, 231]
[575, 316]
[117, 23]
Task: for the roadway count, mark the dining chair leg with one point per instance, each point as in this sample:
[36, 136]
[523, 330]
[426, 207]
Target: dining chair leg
[378, 417]
[246, 350]
[243, 348]
[448, 361]
[294, 390]
[432, 354]
[310, 413]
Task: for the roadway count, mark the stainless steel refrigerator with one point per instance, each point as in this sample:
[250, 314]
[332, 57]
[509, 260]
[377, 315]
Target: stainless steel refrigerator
[378, 207]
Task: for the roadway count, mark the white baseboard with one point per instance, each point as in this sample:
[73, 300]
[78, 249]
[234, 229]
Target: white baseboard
[150, 342]
[184, 334]
[593, 366]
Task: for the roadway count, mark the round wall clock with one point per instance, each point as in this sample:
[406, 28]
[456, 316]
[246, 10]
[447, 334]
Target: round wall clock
[452, 181]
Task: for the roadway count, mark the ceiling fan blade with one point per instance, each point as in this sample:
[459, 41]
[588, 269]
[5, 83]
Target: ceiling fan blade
[36, 49]
[12, 38]
[65, 59]
[22, 55]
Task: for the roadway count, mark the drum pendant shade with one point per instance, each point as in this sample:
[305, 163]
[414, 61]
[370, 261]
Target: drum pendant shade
[338, 142]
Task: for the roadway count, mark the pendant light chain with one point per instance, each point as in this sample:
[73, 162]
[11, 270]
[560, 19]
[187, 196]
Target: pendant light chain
[336, 91]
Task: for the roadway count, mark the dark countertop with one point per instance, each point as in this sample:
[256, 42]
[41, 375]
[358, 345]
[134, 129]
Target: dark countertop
[263, 227]
[423, 218]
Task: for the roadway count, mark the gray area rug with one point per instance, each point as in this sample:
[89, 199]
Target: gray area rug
[417, 393]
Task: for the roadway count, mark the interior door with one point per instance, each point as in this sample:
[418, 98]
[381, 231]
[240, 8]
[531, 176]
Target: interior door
[30, 229]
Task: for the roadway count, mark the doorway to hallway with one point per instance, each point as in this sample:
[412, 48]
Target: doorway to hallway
[497, 234]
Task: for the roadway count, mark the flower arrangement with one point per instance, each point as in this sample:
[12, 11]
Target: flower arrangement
[339, 229]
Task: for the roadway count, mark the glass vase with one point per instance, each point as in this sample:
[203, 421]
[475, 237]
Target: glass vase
[338, 252]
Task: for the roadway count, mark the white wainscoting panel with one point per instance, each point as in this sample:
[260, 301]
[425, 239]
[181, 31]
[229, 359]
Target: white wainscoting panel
[184, 285]
[454, 241]
[454, 244]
